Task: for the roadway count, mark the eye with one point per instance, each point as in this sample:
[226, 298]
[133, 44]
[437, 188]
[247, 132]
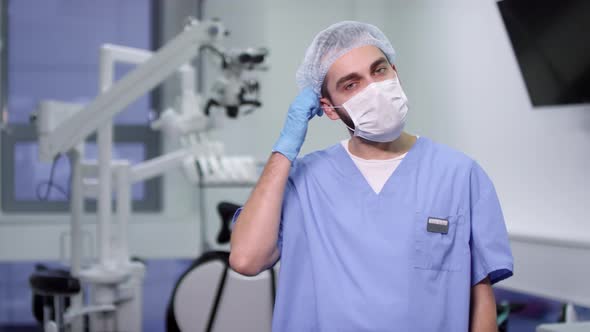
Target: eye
[381, 70]
[350, 86]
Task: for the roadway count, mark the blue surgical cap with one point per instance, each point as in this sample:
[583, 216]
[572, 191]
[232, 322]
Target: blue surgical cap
[333, 42]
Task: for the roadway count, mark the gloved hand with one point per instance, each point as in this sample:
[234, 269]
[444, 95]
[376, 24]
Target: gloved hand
[305, 106]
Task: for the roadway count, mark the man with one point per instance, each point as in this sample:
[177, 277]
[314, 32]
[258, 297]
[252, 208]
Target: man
[385, 231]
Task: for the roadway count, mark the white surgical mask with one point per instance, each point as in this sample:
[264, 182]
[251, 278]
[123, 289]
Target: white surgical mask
[379, 111]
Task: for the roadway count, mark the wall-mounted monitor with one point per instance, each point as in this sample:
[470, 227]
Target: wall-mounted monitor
[551, 41]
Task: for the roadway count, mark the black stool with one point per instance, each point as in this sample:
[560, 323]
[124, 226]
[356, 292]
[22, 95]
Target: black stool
[52, 284]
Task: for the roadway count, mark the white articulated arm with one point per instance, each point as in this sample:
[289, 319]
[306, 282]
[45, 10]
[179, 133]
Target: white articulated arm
[141, 80]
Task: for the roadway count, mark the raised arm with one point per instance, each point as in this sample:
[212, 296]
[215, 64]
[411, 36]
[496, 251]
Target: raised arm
[256, 230]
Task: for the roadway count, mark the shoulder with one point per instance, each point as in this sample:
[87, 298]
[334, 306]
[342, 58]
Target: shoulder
[443, 156]
[315, 161]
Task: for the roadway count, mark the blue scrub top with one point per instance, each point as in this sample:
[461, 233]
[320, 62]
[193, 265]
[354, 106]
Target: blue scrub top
[354, 260]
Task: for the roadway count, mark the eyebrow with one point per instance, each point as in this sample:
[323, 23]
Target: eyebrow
[346, 78]
[352, 76]
[378, 62]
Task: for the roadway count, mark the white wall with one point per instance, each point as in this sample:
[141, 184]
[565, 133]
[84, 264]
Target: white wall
[465, 89]
[463, 81]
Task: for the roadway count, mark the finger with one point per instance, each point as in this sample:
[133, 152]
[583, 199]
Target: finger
[315, 111]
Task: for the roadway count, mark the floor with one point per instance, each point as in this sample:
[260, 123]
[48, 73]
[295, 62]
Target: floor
[16, 316]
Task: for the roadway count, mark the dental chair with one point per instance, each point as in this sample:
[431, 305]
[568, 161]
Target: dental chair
[211, 297]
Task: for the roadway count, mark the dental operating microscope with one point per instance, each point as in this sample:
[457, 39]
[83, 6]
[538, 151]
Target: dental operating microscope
[114, 299]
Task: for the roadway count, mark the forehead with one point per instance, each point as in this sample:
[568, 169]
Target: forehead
[357, 60]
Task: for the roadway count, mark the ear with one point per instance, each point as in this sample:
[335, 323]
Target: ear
[326, 106]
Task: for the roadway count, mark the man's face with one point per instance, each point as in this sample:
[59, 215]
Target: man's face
[350, 74]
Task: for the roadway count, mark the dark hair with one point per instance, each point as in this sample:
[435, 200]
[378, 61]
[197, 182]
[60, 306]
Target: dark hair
[324, 89]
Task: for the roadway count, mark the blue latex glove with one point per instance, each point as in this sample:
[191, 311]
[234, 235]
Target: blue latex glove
[305, 106]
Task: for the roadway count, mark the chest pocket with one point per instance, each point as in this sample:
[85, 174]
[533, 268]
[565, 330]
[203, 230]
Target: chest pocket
[438, 251]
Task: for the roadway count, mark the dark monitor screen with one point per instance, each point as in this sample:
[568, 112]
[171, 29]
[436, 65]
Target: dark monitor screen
[551, 40]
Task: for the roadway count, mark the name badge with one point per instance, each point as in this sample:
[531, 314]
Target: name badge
[437, 225]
